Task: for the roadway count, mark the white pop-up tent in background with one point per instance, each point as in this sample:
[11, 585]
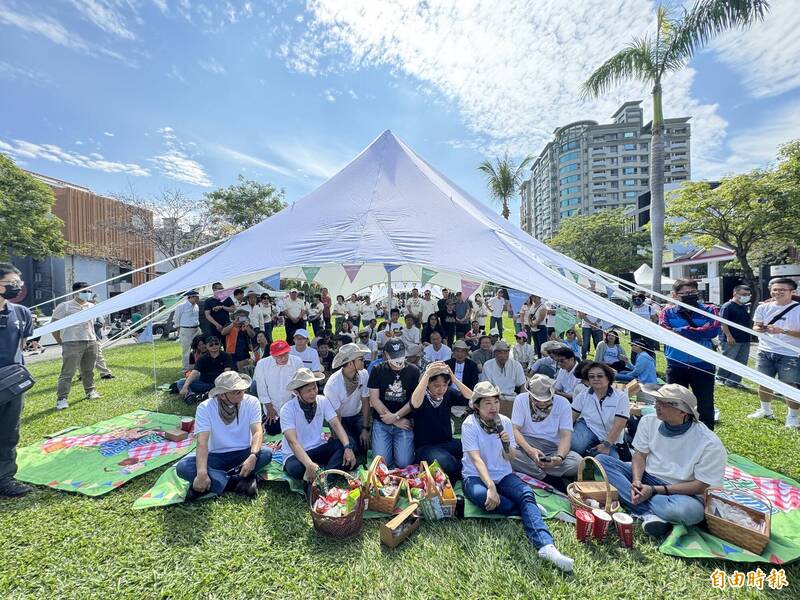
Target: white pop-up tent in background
[386, 210]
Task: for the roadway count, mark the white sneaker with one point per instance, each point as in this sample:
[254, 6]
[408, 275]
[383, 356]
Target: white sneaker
[61, 404]
[761, 414]
[93, 395]
[655, 526]
[551, 554]
[792, 422]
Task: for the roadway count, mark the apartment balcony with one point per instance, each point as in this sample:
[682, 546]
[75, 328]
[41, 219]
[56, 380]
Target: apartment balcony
[599, 175]
[598, 151]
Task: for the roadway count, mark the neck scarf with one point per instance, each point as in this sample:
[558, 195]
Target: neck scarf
[350, 385]
[539, 413]
[491, 427]
[228, 411]
[309, 410]
[434, 403]
[668, 430]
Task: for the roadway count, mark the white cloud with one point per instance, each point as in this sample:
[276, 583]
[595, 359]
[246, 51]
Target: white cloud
[176, 163]
[330, 94]
[766, 54]
[254, 161]
[319, 162]
[44, 26]
[9, 71]
[51, 152]
[513, 70]
[175, 73]
[353, 95]
[106, 15]
[212, 66]
[161, 4]
[108, 133]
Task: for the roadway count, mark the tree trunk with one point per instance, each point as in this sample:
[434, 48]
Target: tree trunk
[506, 212]
[749, 277]
[657, 188]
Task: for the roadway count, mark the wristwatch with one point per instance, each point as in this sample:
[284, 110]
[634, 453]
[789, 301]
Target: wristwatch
[605, 444]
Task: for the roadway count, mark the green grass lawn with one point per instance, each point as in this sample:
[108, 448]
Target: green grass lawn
[59, 545]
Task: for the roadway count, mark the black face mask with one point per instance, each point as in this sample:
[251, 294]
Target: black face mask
[11, 292]
[637, 301]
[691, 299]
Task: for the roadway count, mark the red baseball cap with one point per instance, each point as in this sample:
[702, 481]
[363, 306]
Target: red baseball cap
[278, 348]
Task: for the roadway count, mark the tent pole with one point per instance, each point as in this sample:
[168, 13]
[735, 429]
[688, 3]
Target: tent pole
[389, 305]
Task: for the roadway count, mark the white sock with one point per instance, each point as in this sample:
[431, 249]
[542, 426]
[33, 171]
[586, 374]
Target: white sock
[793, 412]
[766, 407]
[550, 553]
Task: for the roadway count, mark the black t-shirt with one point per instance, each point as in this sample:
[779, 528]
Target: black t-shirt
[18, 325]
[223, 317]
[210, 368]
[394, 387]
[733, 311]
[242, 351]
[432, 424]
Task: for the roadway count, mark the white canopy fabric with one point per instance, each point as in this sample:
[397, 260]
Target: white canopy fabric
[389, 206]
[644, 276]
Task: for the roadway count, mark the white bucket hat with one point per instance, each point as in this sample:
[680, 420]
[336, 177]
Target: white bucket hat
[230, 381]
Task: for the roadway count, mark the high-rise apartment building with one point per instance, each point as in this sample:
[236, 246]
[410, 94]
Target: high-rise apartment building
[589, 167]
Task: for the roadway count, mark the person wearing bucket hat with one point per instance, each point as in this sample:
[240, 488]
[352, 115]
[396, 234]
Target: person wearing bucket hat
[391, 384]
[600, 413]
[273, 373]
[676, 458]
[542, 423]
[644, 369]
[431, 401]
[522, 352]
[347, 391]
[229, 435]
[489, 447]
[302, 418]
[504, 372]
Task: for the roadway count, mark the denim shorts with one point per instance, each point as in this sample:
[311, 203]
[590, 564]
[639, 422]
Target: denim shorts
[787, 368]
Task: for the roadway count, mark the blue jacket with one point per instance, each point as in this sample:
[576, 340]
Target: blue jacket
[701, 330]
[644, 370]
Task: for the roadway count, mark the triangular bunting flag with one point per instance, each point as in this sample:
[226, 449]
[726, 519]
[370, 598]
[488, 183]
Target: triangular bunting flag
[147, 334]
[352, 271]
[310, 273]
[609, 292]
[468, 288]
[517, 299]
[427, 275]
[390, 267]
[562, 272]
[576, 277]
[273, 281]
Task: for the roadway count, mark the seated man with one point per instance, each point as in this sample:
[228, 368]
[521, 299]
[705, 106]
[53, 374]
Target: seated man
[504, 372]
[436, 350]
[567, 376]
[464, 369]
[483, 353]
[303, 446]
[326, 356]
[271, 377]
[542, 423]
[433, 429]
[363, 338]
[206, 370]
[229, 441]
[347, 391]
[473, 336]
[677, 457]
[306, 353]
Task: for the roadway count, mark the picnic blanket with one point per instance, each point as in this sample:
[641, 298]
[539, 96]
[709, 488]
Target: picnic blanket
[96, 459]
[552, 503]
[783, 494]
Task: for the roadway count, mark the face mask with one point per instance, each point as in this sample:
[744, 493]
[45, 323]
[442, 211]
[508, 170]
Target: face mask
[398, 363]
[744, 299]
[85, 295]
[691, 299]
[11, 292]
[637, 301]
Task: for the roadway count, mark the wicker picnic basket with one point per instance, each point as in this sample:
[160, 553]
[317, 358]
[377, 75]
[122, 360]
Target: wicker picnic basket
[447, 498]
[749, 539]
[601, 491]
[336, 527]
[376, 502]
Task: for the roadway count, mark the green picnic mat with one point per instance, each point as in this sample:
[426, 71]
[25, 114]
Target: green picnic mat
[552, 505]
[99, 458]
[783, 494]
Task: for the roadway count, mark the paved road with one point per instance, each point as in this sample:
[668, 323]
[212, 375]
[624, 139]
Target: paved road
[54, 352]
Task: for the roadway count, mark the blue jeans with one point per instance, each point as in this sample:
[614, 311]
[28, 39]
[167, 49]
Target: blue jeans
[786, 368]
[353, 426]
[739, 352]
[583, 439]
[218, 465]
[395, 445]
[590, 335]
[200, 387]
[516, 498]
[496, 322]
[448, 454]
[675, 508]
[328, 456]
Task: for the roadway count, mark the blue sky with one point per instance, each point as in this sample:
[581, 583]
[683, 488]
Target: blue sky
[154, 94]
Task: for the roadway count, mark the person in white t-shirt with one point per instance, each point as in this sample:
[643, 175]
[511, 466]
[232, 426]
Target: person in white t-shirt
[229, 438]
[599, 414]
[497, 305]
[353, 308]
[522, 352]
[676, 458]
[294, 309]
[272, 375]
[436, 350]
[414, 307]
[367, 311]
[411, 335]
[303, 447]
[429, 306]
[779, 318]
[543, 431]
[306, 353]
[363, 338]
[480, 311]
[339, 313]
[567, 376]
[504, 372]
[348, 393]
[489, 448]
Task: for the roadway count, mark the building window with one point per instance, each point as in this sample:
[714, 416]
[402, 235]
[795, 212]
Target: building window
[569, 145]
[629, 170]
[629, 182]
[630, 194]
[570, 156]
[37, 277]
[613, 148]
[628, 134]
[570, 190]
[569, 202]
[628, 158]
[629, 146]
[642, 146]
[568, 168]
[570, 179]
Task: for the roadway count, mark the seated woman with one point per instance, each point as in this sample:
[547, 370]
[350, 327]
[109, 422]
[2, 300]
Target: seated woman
[676, 458]
[432, 325]
[229, 441]
[261, 349]
[347, 331]
[542, 423]
[644, 371]
[489, 448]
[610, 352]
[599, 414]
[573, 341]
[433, 430]
[303, 447]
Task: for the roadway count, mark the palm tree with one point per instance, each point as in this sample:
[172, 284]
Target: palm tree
[648, 59]
[504, 178]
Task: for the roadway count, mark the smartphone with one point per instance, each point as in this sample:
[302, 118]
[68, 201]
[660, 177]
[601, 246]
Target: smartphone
[243, 319]
[545, 459]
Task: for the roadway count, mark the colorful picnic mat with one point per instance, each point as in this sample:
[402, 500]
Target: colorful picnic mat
[96, 459]
[783, 494]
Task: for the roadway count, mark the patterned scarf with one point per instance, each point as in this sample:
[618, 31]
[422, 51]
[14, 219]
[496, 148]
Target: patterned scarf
[434, 403]
[350, 385]
[228, 411]
[539, 413]
[309, 409]
[492, 427]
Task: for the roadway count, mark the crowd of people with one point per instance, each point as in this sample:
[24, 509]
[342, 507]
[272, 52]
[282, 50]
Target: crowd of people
[392, 387]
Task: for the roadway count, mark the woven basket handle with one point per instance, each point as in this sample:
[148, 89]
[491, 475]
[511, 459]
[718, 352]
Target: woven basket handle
[321, 474]
[603, 474]
[373, 467]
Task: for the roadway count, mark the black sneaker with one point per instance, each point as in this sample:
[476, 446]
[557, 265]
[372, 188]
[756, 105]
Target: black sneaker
[173, 388]
[11, 488]
[247, 486]
[193, 494]
[190, 399]
[108, 376]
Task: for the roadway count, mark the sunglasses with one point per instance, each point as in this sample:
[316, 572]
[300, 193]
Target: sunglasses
[209, 344]
[595, 376]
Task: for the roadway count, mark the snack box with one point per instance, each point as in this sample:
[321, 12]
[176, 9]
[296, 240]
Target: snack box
[396, 530]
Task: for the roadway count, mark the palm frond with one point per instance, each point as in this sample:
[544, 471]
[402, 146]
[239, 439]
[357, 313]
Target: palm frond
[704, 21]
[633, 62]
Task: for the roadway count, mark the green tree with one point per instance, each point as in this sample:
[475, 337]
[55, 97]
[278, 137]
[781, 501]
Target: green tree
[601, 240]
[649, 59]
[504, 178]
[28, 226]
[244, 204]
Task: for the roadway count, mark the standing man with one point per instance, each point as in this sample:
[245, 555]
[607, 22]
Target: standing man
[326, 311]
[591, 331]
[217, 312]
[536, 319]
[187, 320]
[414, 307]
[16, 325]
[294, 309]
[429, 306]
[685, 369]
[462, 309]
[255, 312]
[735, 342]
[781, 319]
[497, 305]
[353, 307]
[78, 346]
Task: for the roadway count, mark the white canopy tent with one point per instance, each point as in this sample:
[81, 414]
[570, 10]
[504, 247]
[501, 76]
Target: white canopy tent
[644, 276]
[390, 207]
